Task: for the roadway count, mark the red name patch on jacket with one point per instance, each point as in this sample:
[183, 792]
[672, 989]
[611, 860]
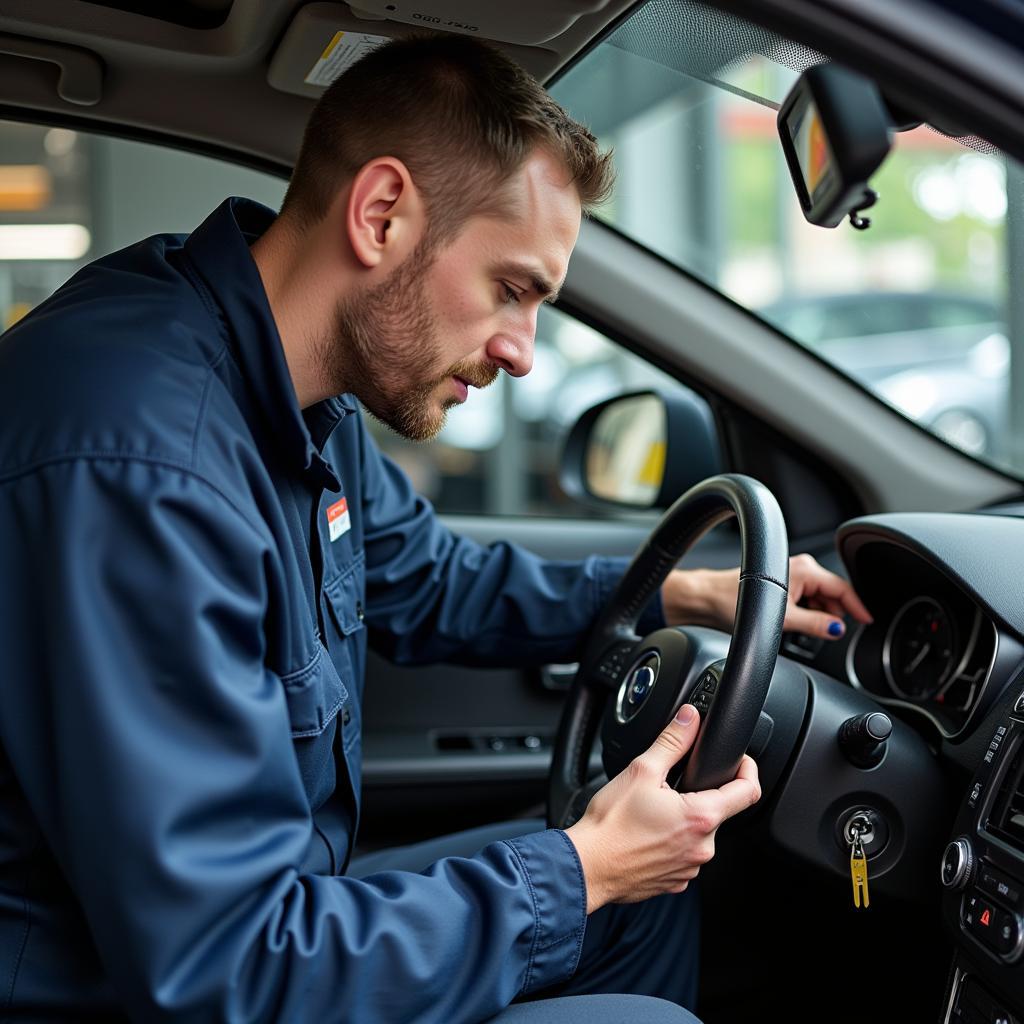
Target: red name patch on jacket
[338, 520]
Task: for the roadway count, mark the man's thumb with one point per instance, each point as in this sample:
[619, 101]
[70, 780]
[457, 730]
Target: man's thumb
[674, 740]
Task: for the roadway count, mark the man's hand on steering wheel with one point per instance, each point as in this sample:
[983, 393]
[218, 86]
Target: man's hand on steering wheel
[628, 686]
[640, 838]
[816, 603]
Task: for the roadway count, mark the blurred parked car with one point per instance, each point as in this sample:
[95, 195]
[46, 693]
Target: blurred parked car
[943, 359]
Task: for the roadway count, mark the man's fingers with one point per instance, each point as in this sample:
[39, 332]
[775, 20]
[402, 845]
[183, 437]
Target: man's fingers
[816, 580]
[742, 792]
[813, 623]
[673, 741]
[838, 589]
[830, 599]
[833, 607]
[748, 770]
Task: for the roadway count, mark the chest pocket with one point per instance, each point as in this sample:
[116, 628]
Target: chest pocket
[314, 695]
[345, 597]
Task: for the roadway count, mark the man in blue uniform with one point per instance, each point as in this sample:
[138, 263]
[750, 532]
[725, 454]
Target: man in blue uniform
[200, 537]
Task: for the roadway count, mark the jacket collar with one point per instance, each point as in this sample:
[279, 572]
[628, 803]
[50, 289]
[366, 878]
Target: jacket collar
[219, 251]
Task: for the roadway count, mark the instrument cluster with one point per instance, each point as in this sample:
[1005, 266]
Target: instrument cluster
[930, 646]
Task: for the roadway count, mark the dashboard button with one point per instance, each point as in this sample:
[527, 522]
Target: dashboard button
[999, 885]
[957, 863]
[997, 738]
[969, 911]
[996, 929]
[982, 921]
[1006, 932]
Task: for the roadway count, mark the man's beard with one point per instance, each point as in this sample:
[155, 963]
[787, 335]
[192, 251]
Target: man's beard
[383, 339]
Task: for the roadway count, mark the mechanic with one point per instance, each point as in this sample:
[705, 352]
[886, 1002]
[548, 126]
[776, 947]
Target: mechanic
[201, 537]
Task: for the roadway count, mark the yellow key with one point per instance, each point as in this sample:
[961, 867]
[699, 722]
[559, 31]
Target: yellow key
[859, 872]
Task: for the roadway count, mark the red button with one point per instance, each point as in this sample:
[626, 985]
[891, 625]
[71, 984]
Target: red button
[986, 917]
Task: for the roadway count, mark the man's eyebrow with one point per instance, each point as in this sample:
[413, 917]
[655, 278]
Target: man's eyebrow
[538, 282]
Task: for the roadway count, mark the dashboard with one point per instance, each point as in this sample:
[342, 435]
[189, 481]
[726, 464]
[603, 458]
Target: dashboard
[947, 596]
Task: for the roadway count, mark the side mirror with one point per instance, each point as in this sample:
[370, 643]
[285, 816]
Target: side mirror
[640, 450]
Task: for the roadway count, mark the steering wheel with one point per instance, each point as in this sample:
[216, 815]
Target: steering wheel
[631, 687]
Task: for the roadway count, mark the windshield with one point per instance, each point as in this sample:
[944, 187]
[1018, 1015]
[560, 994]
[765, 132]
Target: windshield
[917, 308]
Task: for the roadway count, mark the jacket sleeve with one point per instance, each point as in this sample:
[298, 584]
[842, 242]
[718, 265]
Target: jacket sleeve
[433, 596]
[154, 747]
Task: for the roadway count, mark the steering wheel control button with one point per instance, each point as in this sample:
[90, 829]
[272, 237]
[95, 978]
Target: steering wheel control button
[703, 694]
[701, 700]
[637, 686]
[957, 863]
[612, 665]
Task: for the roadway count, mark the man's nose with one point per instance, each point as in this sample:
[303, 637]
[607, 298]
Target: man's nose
[513, 351]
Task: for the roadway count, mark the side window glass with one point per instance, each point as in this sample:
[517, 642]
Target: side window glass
[69, 197]
[499, 452]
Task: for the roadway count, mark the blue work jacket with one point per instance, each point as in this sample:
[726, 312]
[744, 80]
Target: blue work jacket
[192, 567]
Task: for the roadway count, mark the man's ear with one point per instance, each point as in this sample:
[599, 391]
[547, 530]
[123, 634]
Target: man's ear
[385, 216]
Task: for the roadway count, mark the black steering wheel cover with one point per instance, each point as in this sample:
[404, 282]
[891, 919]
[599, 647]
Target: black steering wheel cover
[727, 731]
[757, 633]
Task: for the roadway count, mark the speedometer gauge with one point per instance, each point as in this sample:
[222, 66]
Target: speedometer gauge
[920, 649]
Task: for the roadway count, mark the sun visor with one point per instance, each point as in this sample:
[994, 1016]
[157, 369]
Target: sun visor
[324, 39]
[524, 23]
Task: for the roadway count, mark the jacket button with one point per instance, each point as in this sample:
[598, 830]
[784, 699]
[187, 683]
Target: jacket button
[360, 614]
[346, 717]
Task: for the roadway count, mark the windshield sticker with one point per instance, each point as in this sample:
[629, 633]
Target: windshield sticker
[341, 53]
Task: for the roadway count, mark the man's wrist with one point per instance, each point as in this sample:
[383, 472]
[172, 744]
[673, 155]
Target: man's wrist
[582, 837]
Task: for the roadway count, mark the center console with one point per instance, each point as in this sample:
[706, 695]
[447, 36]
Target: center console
[983, 877]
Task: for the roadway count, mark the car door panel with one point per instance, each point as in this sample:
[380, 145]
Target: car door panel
[474, 744]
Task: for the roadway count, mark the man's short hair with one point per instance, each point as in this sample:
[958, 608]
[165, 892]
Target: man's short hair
[457, 112]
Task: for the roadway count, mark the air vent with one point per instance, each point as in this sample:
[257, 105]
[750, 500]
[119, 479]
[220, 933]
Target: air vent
[1007, 818]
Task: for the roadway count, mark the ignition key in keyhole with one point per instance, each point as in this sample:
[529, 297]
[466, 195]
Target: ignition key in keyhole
[875, 839]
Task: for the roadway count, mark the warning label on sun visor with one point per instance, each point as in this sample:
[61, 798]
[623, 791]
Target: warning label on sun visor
[341, 53]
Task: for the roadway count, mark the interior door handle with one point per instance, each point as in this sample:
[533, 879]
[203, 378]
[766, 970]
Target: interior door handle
[558, 677]
[81, 71]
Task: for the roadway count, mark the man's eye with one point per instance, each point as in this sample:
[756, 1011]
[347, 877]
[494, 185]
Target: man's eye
[510, 294]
